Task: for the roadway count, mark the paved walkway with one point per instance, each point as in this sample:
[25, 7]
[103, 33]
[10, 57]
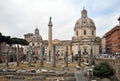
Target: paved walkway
[80, 76]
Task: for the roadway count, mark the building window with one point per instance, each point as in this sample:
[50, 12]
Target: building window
[84, 32]
[77, 33]
[33, 44]
[92, 32]
[85, 51]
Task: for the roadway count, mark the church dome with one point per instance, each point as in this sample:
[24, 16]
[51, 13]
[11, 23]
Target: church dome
[84, 21]
[36, 37]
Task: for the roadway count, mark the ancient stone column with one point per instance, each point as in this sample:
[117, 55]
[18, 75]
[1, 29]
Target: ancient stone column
[29, 56]
[7, 51]
[41, 56]
[79, 55]
[66, 57]
[54, 57]
[72, 56]
[18, 56]
[91, 53]
[50, 39]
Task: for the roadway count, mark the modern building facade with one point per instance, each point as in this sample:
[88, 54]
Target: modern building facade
[103, 45]
[113, 40]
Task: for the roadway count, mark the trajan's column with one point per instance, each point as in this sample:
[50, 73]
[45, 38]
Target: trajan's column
[50, 38]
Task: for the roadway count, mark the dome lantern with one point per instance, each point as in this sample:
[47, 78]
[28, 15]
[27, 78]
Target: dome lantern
[84, 13]
[37, 31]
[84, 21]
[36, 37]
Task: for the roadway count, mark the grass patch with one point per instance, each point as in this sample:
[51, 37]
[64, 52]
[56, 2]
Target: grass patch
[47, 66]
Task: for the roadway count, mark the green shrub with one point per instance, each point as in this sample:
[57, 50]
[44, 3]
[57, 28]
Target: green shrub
[76, 57]
[103, 70]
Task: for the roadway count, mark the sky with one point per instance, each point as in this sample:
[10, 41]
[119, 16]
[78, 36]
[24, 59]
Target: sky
[19, 17]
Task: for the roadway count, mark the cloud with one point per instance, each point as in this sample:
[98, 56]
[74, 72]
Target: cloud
[106, 23]
[19, 17]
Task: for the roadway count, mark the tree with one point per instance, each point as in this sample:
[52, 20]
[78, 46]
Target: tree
[103, 70]
[76, 57]
[2, 39]
[24, 42]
